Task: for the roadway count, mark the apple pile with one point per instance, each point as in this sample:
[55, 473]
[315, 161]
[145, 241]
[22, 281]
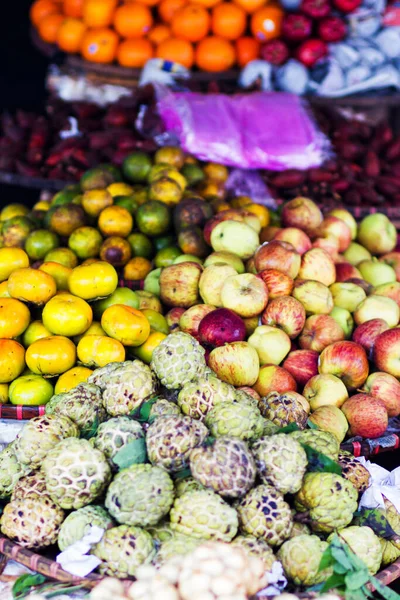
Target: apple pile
[311, 313]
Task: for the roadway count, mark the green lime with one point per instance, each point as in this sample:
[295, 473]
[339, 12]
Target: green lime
[153, 218]
[193, 174]
[127, 202]
[140, 194]
[85, 242]
[136, 167]
[40, 242]
[66, 196]
[115, 171]
[141, 245]
[97, 178]
[157, 321]
[63, 256]
[166, 256]
[163, 241]
[123, 296]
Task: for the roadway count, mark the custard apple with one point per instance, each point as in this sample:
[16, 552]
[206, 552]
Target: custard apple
[354, 471]
[40, 435]
[33, 522]
[79, 522]
[100, 376]
[256, 547]
[178, 359]
[364, 543]
[161, 532]
[198, 397]
[240, 396]
[235, 419]
[178, 545]
[321, 441]
[114, 434]
[170, 441]
[33, 484]
[204, 515]
[226, 466]
[301, 556]
[264, 513]
[188, 484]
[76, 473]
[283, 409]
[83, 405]
[10, 471]
[281, 462]
[329, 499]
[269, 428]
[127, 387]
[123, 549]
[389, 552]
[391, 548]
[163, 408]
[299, 528]
[140, 495]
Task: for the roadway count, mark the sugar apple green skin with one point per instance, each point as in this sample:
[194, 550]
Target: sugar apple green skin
[11, 471]
[178, 359]
[123, 549]
[354, 471]
[256, 547]
[235, 419]
[114, 434]
[127, 387]
[264, 514]
[100, 376]
[329, 499]
[178, 545]
[299, 529]
[300, 557]
[283, 409]
[269, 428]
[33, 522]
[163, 408]
[83, 405]
[140, 495]
[204, 515]
[79, 522]
[170, 441]
[76, 473]
[161, 532]
[198, 397]
[189, 484]
[364, 543]
[321, 441]
[40, 435]
[389, 552]
[281, 461]
[242, 396]
[33, 484]
[226, 465]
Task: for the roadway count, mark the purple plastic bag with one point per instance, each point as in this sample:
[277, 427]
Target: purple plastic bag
[261, 130]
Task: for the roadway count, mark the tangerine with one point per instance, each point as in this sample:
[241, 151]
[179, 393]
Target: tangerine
[14, 318]
[192, 23]
[167, 9]
[215, 54]
[31, 285]
[120, 189]
[228, 20]
[51, 356]
[93, 281]
[99, 350]
[73, 8]
[125, 324]
[10, 260]
[115, 221]
[49, 27]
[116, 251]
[159, 33]
[62, 256]
[133, 20]
[137, 268]
[266, 23]
[99, 45]
[94, 201]
[4, 290]
[135, 52]
[176, 50]
[35, 331]
[85, 242]
[98, 13]
[70, 379]
[247, 49]
[41, 9]
[70, 35]
[145, 351]
[250, 6]
[12, 360]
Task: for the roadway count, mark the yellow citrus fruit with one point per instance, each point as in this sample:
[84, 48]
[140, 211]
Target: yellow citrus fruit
[70, 379]
[42, 205]
[115, 220]
[120, 189]
[97, 280]
[116, 250]
[4, 290]
[3, 393]
[62, 256]
[31, 285]
[89, 261]
[160, 171]
[94, 201]
[215, 172]
[13, 210]
[261, 212]
[241, 201]
[137, 268]
[10, 260]
[149, 300]
[51, 356]
[165, 190]
[94, 329]
[145, 351]
[67, 315]
[58, 272]
[14, 318]
[12, 360]
[35, 331]
[170, 155]
[221, 206]
[85, 242]
[125, 324]
[99, 350]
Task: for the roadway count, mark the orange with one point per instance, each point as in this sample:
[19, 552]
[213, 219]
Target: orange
[58, 272]
[67, 315]
[99, 45]
[137, 268]
[167, 9]
[146, 2]
[99, 350]
[73, 8]
[70, 379]
[98, 13]
[41, 9]
[175, 50]
[247, 49]
[12, 360]
[49, 26]
[266, 23]
[4, 290]
[14, 318]
[192, 23]
[10, 260]
[70, 35]
[132, 20]
[125, 324]
[35, 331]
[208, 3]
[93, 281]
[215, 54]
[31, 285]
[51, 356]
[251, 6]
[228, 21]
[135, 52]
[115, 220]
[158, 34]
[261, 212]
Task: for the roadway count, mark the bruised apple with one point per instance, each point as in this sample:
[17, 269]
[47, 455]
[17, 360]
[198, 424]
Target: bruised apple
[286, 313]
[236, 363]
[347, 360]
[367, 416]
[345, 271]
[173, 317]
[347, 295]
[347, 217]
[278, 255]
[179, 284]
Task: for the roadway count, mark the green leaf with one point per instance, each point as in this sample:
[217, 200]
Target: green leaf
[326, 560]
[142, 412]
[25, 583]
[90, 432]
[339, 554]
[377, 521]
[340, 569]
[383, 590]
[318, 462]
[311, 425]
[209, 441]
[131, 454]
[355, 594]
[356, 579]
[289, 428]
[334, 581]
[182, 474]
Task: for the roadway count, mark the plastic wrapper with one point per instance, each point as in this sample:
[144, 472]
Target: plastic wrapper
[273, 131]
[249, 183]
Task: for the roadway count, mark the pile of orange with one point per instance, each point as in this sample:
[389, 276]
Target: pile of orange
[213, 35]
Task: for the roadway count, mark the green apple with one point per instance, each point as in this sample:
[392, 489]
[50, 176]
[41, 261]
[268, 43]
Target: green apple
[344, 318]
[331, 419]
[212, 281]
[187, 258]
[377, 234]
[375, 272]
[120, 296]
[325, 389]
[157, 321]
[271, 344]
[30, 390]
[35, 331]
[378, 307]
[347, 295]
[227, 258]
[152, 282]
[356, 253]
[314, 296]
[236, 237]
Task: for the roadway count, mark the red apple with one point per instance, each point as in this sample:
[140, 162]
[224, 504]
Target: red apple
[226, 215]
[317, 265]
[329, 243]
[316, 9]
[267, 234]
[386, 388]
[319, 332]
[274, 379]
[366, 334]
[332, 29]
[347, 6]
[191, 318]
[367, 416]
[250, 391]
[338, 228]
[299, 240]
[302, 213]
[344, 270]
[220, 327]
[235, 363]
[311, 51]
[287, 313]
[278, 255]
[346, 360]
[275, 52]
[386, 352]
[302, 365]
[173, 317]
[278, 283]
[179, 284]
[392, 259]
[296, 27]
